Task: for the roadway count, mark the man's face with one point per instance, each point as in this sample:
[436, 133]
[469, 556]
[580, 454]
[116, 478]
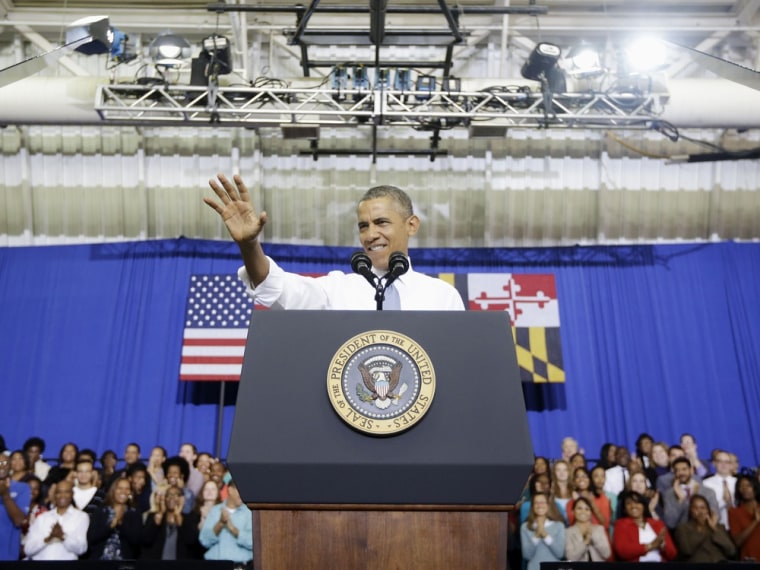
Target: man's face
[383, 229]
[688, 443]
[34, 453]
[569, 447]
[186, 452]
[63, 494]
[682, 472]
[131, 454]
[622, 457]
[84, 473]
[723, 464]
[217, 472]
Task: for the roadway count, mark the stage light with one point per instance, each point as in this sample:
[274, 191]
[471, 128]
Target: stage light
[360, 79]
[403, 79]
[584, 61]
[382, 78]
[645, 55]
[425, 87]
[170, 50]
[542, 65]
[215, 49]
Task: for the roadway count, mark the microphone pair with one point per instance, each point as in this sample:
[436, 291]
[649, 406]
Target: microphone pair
[398, 264]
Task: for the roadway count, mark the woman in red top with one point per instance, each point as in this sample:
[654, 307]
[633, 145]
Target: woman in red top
[601, 511]
[744, 519]
[638, 537]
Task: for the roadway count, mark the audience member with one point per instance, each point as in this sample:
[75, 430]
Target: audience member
[578, 460]
[195, 478]
[723, 484]
[108, 472]
[586, 541]
[689, 445]
[168, 535]
[34, 447]
[744, 518]
[562, 486]
[702, 538]
[542, 536]
[177, 471]
[137, 475]
[155, 467]
[639, 483]
[87, 496]
[598, 477]
[643, 448]
[569, 448]
[20, 467]
[675, 499]
[115, 531]
[14, 505]
[597, 500]
[218, 472]
[36, 507]
[227, 533]
[617, 475]
[203, 464]
[66, 462]
[637, 536]
[607, 455]
[659, 458]
[61, 533]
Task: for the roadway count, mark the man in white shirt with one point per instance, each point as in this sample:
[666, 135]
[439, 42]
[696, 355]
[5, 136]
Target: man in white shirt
[723, 484]
[616, 477]
[386, 221]
[86, 496]
[61, 533]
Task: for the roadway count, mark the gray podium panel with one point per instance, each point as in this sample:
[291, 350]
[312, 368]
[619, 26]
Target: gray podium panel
[290, 446]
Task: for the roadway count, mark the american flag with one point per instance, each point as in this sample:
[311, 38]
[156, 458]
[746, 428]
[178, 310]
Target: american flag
[216, 326]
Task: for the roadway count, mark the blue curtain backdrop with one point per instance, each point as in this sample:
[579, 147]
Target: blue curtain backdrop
[663, 339]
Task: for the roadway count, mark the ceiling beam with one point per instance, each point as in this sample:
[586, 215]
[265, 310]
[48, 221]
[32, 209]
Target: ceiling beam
[45, 46]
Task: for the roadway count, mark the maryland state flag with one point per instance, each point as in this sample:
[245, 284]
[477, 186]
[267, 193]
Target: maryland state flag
[531, 301]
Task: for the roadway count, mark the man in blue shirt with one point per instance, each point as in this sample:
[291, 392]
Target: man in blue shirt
[14, 505]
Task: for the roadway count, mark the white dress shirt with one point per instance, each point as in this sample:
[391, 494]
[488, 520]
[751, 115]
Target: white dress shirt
[615, 479]
[716, 484]
[74, 523]
[342, 291]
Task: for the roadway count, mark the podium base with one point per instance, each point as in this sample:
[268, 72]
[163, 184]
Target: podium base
[363, 537]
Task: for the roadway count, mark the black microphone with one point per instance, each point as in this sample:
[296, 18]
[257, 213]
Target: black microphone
[398, 264]
[361, 264]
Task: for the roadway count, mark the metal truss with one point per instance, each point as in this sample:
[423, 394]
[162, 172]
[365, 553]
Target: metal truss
[495, 108]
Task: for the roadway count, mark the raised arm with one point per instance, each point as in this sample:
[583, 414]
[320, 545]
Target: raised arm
[244, 224]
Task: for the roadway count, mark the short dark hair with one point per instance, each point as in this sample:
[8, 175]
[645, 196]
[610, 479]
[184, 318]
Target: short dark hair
[135, 467]
[34, 442]
[395, 193]
[681, 459]
[133, 444]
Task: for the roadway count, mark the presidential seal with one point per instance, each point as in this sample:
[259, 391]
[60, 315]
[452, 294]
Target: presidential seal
[381, 382]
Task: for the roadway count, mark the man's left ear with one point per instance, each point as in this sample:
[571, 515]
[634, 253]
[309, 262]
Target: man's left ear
[412, 225]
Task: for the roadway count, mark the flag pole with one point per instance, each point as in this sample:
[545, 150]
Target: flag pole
[219, 420]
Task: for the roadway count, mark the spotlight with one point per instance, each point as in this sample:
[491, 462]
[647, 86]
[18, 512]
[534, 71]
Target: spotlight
[216, 50]
[339, 82]
[542, 66]
[403, 79]
[645, 55]
[425, 86]
[584, 61]
[382, 78]
[169, 50]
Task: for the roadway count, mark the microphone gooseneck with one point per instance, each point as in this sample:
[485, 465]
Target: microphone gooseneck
[361, 264]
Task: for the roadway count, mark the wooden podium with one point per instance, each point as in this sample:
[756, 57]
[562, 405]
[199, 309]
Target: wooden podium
[325, 495]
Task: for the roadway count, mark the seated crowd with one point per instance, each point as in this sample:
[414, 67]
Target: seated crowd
[180, 507]
[659, 503]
